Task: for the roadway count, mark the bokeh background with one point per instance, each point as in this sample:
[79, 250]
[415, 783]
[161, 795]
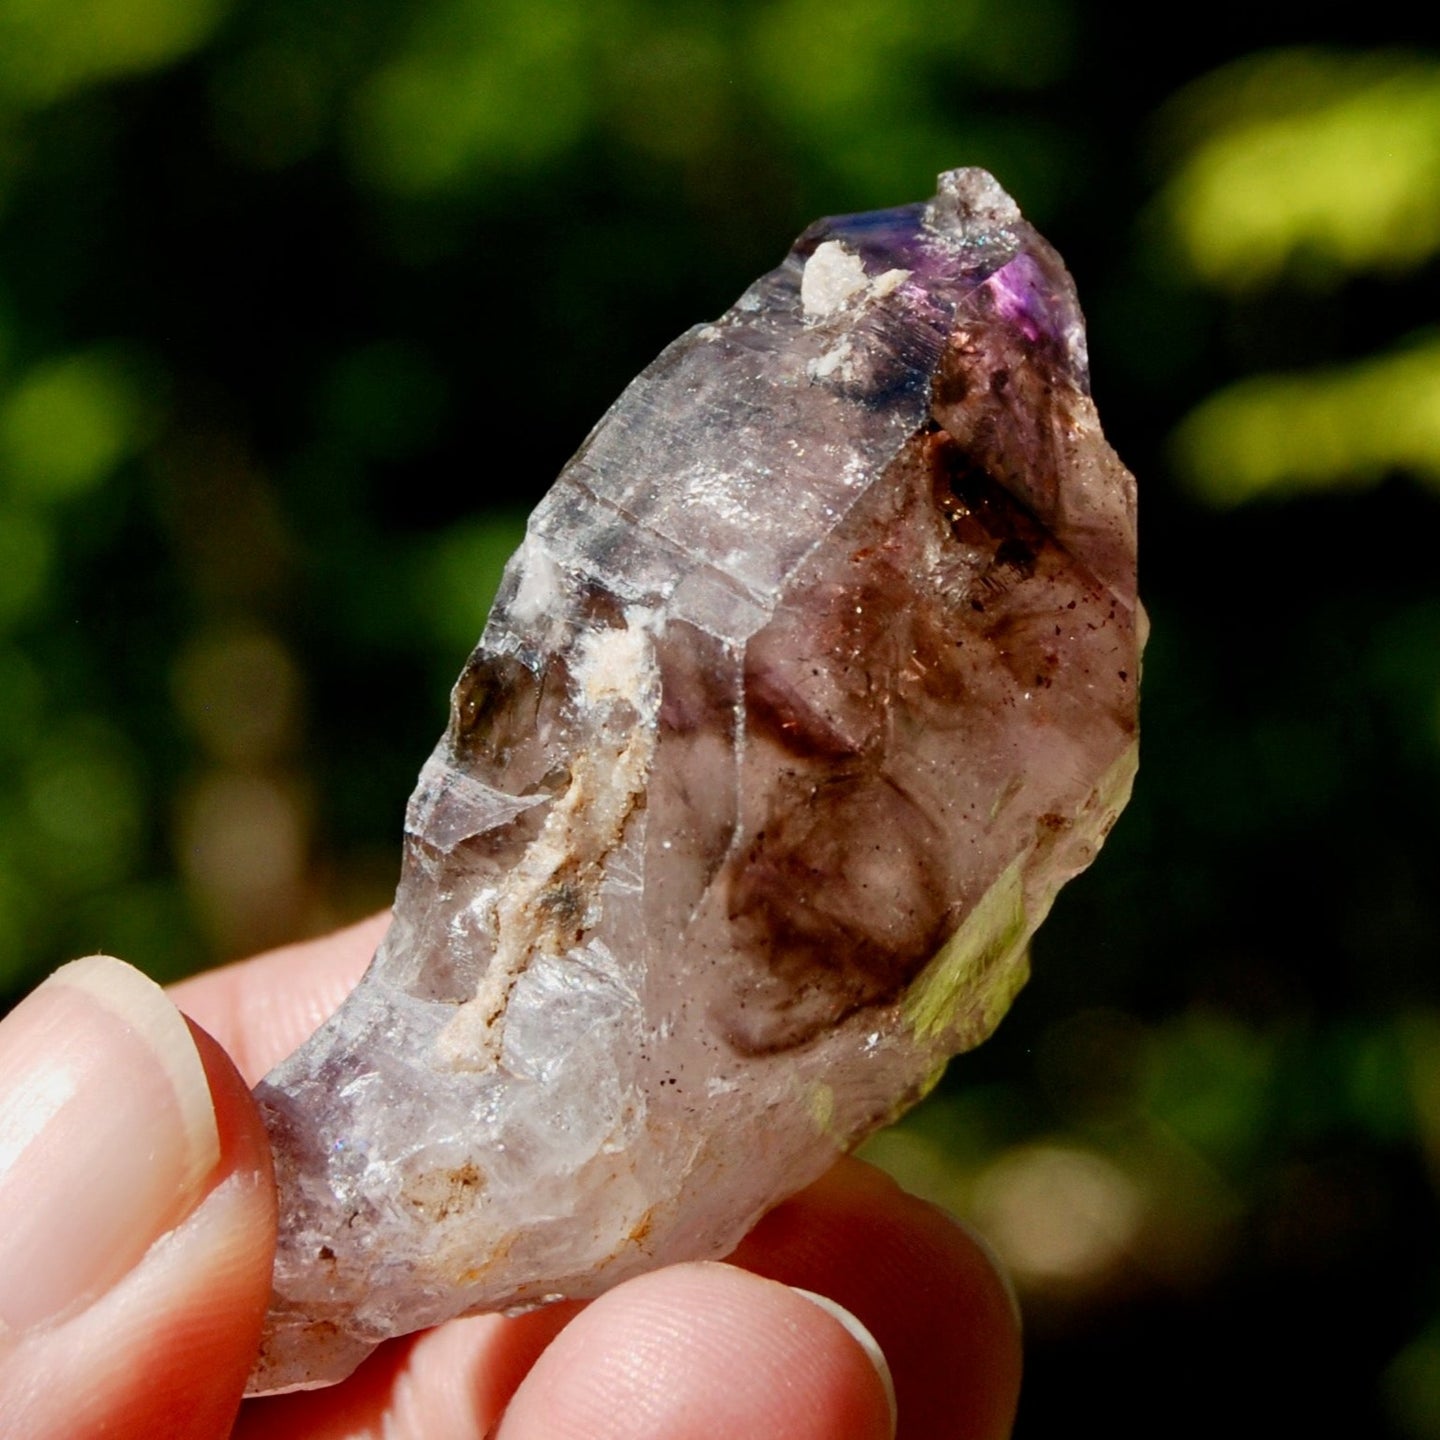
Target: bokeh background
[279, 277]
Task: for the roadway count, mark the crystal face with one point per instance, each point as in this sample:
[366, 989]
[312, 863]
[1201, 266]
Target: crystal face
[812, 682]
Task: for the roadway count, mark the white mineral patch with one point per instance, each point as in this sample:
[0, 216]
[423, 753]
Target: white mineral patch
[617, 664]
[888, 283]
[833, 361]
[539, 592]
[833, 277]
[566, 859]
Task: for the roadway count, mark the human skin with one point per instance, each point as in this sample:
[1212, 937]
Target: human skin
[136, 1192]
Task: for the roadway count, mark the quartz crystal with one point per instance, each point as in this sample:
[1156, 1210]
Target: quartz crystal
[812, 682]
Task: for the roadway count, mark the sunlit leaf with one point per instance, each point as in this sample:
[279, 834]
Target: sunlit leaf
[67, 423]
[484, 89]
[49, 48]
[1303, 155]
[1337, 428]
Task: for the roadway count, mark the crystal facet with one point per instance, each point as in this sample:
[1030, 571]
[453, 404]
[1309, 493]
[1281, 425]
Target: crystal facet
[812, 682]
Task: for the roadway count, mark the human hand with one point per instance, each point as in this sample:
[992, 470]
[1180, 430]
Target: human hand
[137, 1223]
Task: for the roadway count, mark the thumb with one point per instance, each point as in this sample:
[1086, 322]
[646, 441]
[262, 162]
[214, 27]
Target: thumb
[137, 1215]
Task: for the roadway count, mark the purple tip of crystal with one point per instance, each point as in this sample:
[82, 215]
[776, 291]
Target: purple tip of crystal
[971, 236]
[1022, 296]
[1039, 301]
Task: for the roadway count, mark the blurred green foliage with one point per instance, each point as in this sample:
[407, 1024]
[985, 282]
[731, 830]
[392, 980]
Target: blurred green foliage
[1344, 426]
[1319, 163]
[50, 50]
[284, 288]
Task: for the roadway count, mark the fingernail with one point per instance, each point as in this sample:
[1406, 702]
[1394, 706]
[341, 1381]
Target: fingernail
[864, 1339]
[107, 1135]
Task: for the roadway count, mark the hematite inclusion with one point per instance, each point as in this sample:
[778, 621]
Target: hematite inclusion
[813, 681]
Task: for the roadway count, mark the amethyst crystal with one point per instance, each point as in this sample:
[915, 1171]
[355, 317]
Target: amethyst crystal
[812, 682]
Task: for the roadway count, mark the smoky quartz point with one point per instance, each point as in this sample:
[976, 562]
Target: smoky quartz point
[812, 682]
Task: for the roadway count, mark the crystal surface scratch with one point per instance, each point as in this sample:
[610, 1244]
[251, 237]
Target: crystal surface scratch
[812, 682]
